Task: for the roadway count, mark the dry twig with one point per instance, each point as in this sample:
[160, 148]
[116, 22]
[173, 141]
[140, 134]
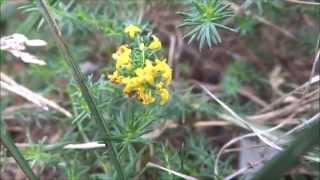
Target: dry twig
[238, 9]
[9, 84]
[304, 2]
[150, 164]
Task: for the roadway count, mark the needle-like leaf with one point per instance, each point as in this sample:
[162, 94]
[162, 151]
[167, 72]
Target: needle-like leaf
[204, 17]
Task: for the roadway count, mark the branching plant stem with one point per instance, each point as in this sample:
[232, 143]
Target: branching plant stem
[80, 79]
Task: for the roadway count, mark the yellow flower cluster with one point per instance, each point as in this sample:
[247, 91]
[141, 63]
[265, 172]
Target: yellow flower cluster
[145, 77]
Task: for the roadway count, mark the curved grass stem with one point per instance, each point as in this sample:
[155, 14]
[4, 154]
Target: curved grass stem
[80, 79]
[16, 154]
[285, 160]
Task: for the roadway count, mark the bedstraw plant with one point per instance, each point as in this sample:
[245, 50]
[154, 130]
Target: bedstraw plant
[132, 119]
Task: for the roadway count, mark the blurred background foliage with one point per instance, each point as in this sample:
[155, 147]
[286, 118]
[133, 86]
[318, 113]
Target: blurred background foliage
[248, 52]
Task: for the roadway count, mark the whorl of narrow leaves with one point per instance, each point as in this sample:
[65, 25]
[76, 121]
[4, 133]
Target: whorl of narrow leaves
[204, 17]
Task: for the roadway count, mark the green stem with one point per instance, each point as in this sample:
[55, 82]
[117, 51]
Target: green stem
[79, 77]
[14, 151]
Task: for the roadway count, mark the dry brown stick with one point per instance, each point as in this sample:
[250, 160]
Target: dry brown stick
[244, 91]
[243, 170]
[280, 99]
[314, 66]
[9, 84]
[273, 114]
[284, 111]
[305, 87]
[274, 26]
[13, 109]
[230, 150]
[203, 124]
[157, 132]
[303, 2]
[286, 120]
[175, 49]
[171, 51]
[186, 177]
[8, 112]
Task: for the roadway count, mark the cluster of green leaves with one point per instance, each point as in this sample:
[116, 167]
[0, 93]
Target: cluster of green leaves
[204, 17]
[240, 73]
[85, 16]
[195, 157]
[128, 120]
[245, 24]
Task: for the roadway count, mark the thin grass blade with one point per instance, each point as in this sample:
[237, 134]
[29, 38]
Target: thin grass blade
[81, 81]
[16, 154]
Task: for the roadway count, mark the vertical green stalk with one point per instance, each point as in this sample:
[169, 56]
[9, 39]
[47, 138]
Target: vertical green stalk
[289, 158]
[79, 77]
[16, 154]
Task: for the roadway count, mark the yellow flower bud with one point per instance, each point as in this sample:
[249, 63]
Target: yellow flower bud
[164, 96]
[165, 70]
[132, 30]
[115, 77]
[141, 46]
[156, 43]
[123, 57]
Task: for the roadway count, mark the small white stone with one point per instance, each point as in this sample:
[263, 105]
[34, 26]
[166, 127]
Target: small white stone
[19, 37]
[36, 42]
[90, 145]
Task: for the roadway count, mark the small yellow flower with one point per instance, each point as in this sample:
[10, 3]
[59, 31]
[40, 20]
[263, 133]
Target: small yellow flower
[141, 46]
[163, 68]
[122, 57]
[160, 85]
[123, 61]
[132, 30]
[145, 75]
[146, 98]
[164, 96]
[156, 43]
[131, 84]
[115, 77]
